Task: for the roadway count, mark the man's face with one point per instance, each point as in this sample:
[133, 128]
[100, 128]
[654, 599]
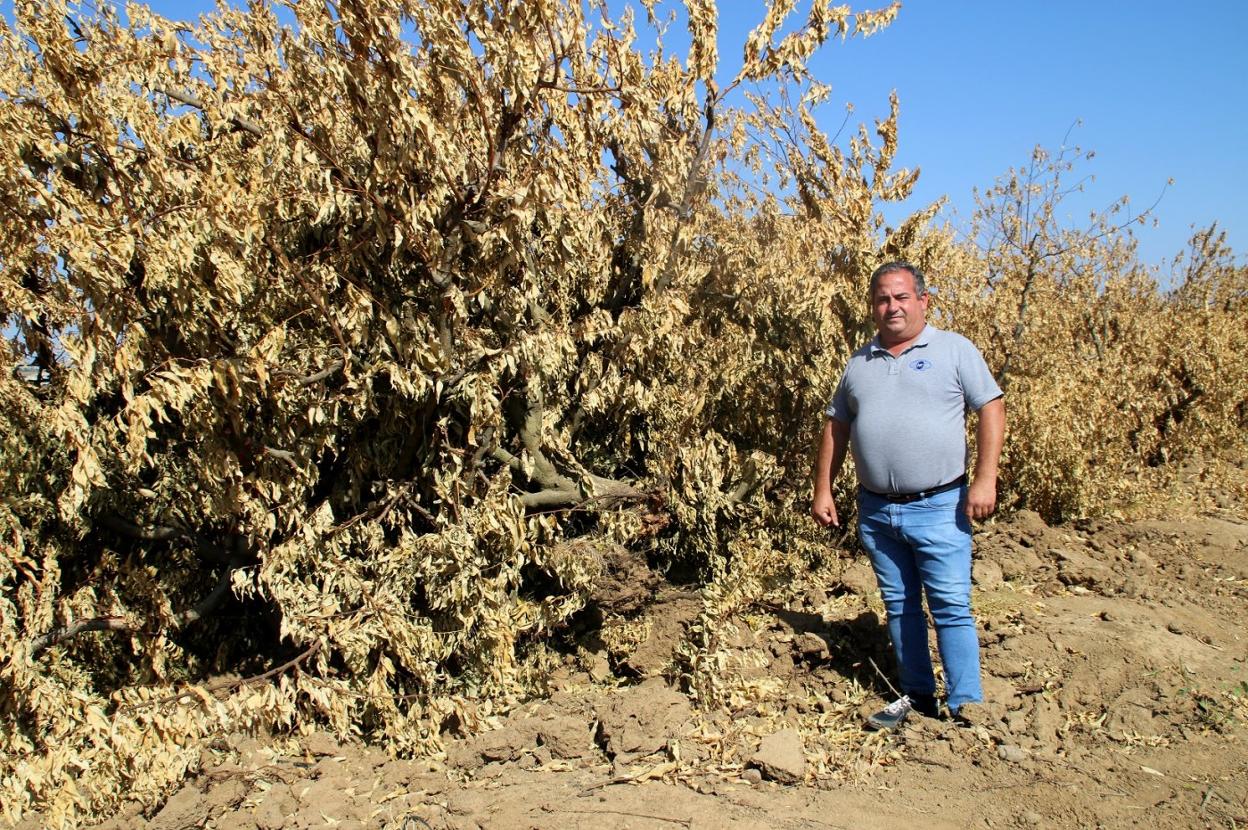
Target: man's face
[897, 308]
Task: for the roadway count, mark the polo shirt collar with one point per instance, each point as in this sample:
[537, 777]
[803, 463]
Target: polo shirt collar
[925, 337]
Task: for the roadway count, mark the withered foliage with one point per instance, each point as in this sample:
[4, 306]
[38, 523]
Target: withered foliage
[343, 338]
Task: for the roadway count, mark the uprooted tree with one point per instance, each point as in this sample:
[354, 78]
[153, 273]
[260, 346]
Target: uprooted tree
[359, 330]
[353, 334]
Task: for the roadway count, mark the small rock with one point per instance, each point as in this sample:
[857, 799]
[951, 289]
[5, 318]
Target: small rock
[274, 809]
[1011, 753]
[752, 776]
[225, 795]
[566, 737]
[1174, 628]
[321, 744]
[1008, 667]
[183, 810]
[1108, 616]
[811, 646]
[987, 574]
[1032, 818]
[780, 757]
[599, 668]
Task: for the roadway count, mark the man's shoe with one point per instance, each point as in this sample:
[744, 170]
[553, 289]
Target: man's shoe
[891, 716]
[926, 705]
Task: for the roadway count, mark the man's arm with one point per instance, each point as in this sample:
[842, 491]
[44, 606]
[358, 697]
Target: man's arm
[831, 456]
[981, 499]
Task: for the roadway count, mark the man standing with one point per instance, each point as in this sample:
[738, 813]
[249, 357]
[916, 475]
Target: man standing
[901, 407]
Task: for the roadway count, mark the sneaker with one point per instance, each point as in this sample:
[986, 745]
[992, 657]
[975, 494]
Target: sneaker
[891, 716]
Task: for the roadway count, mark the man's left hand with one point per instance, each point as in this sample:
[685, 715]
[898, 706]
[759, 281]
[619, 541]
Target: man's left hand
[981, 498]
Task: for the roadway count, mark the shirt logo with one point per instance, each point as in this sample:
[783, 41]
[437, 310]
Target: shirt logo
[920, 364]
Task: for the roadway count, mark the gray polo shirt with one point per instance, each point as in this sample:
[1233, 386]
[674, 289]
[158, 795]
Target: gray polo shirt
[907, 414]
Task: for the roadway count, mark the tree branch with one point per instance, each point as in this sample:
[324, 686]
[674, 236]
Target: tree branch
[125, 527]
[559, 490]
[695, 183]
[317, 377]
[57, 635]
[193, 101]
[196, 612]
[163, 533]
[219, 685]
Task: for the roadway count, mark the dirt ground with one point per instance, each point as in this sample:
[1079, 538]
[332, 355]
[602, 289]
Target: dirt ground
[1116, 670]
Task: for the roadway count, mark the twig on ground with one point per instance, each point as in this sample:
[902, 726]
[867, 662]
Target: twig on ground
[686, 822]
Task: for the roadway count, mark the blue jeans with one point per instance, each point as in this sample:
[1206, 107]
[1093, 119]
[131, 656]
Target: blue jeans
[924, 547]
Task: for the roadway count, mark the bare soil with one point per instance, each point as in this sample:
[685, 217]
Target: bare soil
[1116, 671]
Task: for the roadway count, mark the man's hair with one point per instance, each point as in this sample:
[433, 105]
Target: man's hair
[920, 285]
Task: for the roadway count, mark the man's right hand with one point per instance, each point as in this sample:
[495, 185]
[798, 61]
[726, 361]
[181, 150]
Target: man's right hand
[824, 511]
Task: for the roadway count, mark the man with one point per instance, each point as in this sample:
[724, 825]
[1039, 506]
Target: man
[901, 407]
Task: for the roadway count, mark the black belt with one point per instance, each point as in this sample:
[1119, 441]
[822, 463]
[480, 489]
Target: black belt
[906, 498]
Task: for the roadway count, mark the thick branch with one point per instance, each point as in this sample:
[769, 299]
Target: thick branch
[57, 635]
[560, 491]
[1021, 325]
[594, 489]
[196, 612]
[749, 483]
[530, 430]
[562, 497]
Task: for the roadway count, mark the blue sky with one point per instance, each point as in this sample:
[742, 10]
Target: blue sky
[1160, 89]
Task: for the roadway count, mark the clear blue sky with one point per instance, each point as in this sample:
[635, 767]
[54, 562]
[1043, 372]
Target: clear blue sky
[1161, 89]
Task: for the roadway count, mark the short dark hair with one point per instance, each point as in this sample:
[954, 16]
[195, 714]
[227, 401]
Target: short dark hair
[920, 284]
